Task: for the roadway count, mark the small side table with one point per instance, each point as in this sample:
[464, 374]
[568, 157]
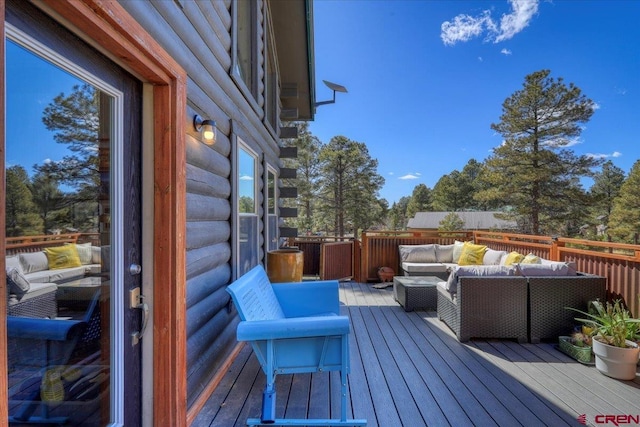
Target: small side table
[414, 292]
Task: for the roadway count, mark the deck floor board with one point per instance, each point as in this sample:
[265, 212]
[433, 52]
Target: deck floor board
[408, 369]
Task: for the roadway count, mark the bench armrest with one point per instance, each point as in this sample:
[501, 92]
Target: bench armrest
[300, 327]
[308, 298]
[42, 329]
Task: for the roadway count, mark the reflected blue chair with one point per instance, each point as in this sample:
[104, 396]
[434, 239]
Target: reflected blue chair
[293, 328]
[39, 344]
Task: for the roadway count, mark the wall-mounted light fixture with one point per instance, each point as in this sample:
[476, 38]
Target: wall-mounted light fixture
[207, 128]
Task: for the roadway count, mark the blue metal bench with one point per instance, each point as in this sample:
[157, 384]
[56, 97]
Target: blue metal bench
[293, 328]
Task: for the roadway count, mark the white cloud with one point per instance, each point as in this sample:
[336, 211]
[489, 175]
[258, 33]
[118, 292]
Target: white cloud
[465, 27]
[408, 176]
[391, 173]
[417, 174]
[480, 58]
[246, 178]
[517, 20]
[603, 155]
[505, 51]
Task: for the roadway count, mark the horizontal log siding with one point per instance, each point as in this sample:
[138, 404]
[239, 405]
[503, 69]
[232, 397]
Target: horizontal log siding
[198, 36]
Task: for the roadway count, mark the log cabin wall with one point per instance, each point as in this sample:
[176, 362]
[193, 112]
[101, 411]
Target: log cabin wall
[199, 36]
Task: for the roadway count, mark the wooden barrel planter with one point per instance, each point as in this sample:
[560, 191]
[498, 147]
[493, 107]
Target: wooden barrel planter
[285, 265]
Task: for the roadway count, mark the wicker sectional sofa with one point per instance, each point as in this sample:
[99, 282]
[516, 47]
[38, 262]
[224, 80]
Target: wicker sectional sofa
[33, 284]
[520, 301]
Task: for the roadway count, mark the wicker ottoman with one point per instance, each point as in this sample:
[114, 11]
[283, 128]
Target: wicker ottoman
[414, 292]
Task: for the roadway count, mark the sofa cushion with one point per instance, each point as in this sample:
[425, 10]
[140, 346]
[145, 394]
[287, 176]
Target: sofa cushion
[477, 270]
[531, 259]
[444, 253]
[59, 275]
[33, 261]
[18, 284]
[513, 258]
[36, 290]
[423, 267]
[549, 268]
[493, 257]
[62, 257]
[472, 254]
[417, 253]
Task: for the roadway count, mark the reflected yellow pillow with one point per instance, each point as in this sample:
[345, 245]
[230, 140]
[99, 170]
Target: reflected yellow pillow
[62, 257]
[531, 259]
[513, 258]
[472, 254]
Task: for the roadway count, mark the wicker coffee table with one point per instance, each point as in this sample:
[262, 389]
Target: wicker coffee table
[414, 292]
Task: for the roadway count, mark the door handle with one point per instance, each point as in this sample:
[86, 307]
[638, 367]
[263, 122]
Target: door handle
[136, 300]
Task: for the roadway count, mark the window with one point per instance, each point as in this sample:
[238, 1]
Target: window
[271, 82]
[245, 46]
[247, 210]
[272, 217]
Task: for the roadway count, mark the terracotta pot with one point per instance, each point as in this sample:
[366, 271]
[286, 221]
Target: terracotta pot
[285, 265]
[616, 362]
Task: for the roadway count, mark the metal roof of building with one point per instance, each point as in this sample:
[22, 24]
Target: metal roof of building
[472, 221]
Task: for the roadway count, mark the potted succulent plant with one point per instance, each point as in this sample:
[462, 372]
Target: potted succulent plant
[615, 354]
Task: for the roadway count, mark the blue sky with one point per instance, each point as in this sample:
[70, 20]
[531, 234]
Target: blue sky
[427, 78]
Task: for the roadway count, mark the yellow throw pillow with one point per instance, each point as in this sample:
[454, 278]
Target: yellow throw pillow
[62, 257]
[531, 259]
[472, 254]
[513, 258]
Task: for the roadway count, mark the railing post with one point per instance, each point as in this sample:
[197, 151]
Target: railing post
[364, 256]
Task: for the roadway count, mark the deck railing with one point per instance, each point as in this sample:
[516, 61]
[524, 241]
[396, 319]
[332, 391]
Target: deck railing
[380, 248]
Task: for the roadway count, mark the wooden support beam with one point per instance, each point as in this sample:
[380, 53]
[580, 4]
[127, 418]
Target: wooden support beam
[289, 90]
[288, 212]
[288, 232]
[288, 114]
[288, 152]
[288, 173]
[288, 132]
[288, 192]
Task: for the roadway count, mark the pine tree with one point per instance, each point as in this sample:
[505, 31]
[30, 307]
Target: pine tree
[533, 172]
[420, 200]
[451, 222]
[624, 222]
[606, 187]
[349, 186]
[21, 214]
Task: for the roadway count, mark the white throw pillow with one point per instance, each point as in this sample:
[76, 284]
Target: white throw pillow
[84, 252]
[493, 257]
[457, 250]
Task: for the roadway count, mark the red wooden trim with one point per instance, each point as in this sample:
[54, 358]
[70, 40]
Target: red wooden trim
[4, 385]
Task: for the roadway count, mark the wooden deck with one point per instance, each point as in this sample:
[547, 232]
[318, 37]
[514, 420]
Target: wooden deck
[408, 369]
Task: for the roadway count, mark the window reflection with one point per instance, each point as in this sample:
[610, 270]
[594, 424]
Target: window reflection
[58, 135]
[247, 209]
